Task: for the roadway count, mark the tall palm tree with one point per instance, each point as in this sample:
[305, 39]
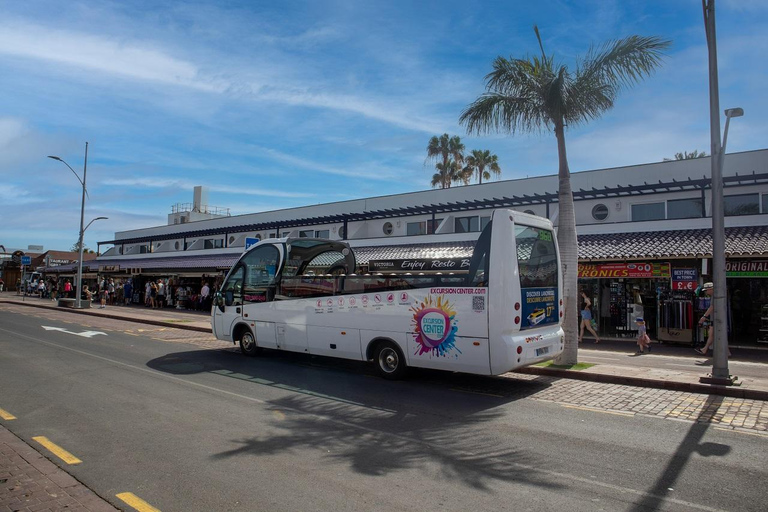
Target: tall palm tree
[536, 93]
[479, 163]
[445, 149]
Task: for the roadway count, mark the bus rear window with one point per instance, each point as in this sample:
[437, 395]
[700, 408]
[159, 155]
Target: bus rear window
[536, 257]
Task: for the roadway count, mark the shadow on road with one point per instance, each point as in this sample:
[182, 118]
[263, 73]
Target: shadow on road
[378, 426]
[692, 443]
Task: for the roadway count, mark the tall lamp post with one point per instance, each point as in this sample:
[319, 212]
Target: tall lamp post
[720, 374]
[78, 284]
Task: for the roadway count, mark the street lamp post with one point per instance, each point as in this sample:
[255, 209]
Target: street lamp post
[78, 284]
[720, 373]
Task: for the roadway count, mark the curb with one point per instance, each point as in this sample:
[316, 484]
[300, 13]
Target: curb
[113, 317]
[689, 387]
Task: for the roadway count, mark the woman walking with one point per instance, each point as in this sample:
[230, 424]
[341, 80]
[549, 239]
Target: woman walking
[586, 319]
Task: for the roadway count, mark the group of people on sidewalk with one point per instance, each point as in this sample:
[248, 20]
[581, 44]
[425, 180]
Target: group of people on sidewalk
[643, 340]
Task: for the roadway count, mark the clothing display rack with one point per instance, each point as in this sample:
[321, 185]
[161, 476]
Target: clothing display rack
[676, 319]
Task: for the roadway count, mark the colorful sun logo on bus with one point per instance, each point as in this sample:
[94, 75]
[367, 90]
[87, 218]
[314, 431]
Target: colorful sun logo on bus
[434, 327]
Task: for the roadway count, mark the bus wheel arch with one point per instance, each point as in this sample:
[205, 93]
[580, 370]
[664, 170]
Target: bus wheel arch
[388, 358]
[247, 339]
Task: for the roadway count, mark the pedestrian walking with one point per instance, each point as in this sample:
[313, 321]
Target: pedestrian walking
[643, 340]
[128, 292]
[706, 321]
[104, 295]
[586, 319]
[68, 289]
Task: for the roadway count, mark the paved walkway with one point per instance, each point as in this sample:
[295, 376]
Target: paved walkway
[29, 482]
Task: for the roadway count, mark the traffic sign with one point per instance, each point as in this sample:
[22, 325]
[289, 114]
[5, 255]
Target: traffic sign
[249, 241]
[26, 260]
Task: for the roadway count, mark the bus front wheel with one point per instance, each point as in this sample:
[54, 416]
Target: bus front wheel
[390, 361]
[248, 343]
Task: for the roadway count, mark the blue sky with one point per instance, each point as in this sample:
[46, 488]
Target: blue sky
[280, 104]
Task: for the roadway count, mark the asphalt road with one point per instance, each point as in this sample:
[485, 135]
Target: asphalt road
[187, 428]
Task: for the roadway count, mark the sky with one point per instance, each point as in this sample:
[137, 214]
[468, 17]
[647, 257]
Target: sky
[273, 105]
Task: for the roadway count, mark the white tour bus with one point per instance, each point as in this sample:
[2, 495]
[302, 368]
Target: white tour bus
[499, 313]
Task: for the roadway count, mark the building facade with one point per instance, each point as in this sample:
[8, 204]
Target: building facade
[644, 239]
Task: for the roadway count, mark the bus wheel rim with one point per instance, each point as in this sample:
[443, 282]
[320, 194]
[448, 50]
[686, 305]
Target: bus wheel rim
[388, 360]
[247, 341]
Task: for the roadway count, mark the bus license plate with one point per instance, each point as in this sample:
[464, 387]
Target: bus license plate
[542, 351]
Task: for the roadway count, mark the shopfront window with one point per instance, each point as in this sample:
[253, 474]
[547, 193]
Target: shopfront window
[648, 211]
[684, 208]
[742, 204]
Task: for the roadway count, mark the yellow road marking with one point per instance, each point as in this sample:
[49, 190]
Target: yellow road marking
[57, 450]
[617, 413]
[6, 415]
[136, 502]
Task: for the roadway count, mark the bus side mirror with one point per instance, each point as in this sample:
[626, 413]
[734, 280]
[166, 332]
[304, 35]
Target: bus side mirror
[218, 299]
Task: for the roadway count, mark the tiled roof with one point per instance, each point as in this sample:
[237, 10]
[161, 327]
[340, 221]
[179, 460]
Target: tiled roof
[689, 243]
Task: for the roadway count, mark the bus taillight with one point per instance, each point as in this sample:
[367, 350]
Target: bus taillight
[517, 319]
[517, 306]
[519, 349]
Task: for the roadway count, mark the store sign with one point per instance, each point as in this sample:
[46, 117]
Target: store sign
[420, 265]
[684, 279]
[109, 268]
[249, 242]
[746, 268]
[52, 262]
[628, 270]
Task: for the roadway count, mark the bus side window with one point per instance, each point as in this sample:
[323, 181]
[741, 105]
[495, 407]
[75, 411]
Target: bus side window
[260, 269]
[233, 288]
[478, 266]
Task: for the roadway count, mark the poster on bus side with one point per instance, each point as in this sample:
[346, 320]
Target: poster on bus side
[539, 307]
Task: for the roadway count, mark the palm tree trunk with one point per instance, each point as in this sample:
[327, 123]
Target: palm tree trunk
[568, 245]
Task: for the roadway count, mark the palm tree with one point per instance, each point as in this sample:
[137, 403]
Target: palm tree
[445, 149]
[446, 174]
[688, 156]
[535, 93]
[478, 162]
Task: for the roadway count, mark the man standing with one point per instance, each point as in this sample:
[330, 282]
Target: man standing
[160, 294]
[204, 293]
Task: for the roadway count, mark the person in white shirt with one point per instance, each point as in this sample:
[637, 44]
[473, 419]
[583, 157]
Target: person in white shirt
[204, 293]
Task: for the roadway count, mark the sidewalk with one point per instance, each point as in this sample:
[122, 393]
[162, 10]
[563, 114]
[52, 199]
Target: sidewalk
[30, 482]
[686, 380]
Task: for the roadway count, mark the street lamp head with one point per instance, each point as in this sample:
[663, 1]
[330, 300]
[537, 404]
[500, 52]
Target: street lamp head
[55, 158]
[734, 112]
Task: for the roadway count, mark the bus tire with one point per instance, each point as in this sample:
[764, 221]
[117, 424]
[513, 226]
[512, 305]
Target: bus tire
[389, 361]
[248, 344]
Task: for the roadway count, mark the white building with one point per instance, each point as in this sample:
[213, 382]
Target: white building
[655, 214]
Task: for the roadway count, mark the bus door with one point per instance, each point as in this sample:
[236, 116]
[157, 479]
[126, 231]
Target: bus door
[228, 307]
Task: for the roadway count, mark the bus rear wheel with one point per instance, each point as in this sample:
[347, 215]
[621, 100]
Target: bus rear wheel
[390, 361]
[248, 344]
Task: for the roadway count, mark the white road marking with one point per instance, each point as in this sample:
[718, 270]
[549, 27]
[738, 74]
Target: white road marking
[84, 334]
